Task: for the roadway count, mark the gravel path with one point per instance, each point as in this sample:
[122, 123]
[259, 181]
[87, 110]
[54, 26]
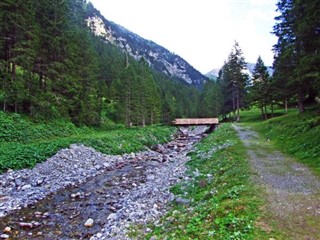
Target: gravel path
[291, 190]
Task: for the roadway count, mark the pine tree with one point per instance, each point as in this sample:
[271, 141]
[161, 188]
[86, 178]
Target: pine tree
[234, 82]
[296, 53]
[261, 87]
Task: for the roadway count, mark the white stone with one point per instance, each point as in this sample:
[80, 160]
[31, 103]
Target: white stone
[7, 229]
[112, 216]
[89, 223]
[26, 187]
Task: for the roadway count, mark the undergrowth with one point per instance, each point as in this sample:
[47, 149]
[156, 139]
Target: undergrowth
[24, 143]
[222, 203]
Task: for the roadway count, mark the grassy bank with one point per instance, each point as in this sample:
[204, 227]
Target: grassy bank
[24, 143]
[222, 204]
[295, 134]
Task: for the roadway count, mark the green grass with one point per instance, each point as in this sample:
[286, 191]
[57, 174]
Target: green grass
[24, 143]
[222, 200]
[295, 134]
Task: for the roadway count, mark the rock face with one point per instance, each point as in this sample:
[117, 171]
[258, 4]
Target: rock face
[158, 58]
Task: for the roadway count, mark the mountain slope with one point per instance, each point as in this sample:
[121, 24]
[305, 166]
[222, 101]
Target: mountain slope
[214, 73]
[159, 58]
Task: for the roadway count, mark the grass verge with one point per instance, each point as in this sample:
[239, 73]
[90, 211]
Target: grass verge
[295, 134]
[221, 199]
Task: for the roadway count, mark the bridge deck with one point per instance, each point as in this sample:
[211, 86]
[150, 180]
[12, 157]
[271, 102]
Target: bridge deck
[195, 121]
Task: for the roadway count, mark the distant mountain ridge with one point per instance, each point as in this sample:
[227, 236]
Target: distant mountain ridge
[214, 73]
[158, 58]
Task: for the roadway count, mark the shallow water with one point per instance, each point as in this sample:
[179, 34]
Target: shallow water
[62, 215]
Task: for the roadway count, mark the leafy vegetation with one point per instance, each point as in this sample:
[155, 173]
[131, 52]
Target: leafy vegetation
[24, 143]
[222, 202]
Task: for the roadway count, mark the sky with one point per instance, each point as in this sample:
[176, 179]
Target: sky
[202, 32]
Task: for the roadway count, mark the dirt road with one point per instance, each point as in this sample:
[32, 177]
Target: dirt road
[291, 191]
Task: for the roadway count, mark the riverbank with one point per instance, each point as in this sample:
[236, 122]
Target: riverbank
[24, 143]
[57, 197]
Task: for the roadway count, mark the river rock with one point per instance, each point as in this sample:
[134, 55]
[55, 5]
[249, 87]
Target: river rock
[18, 182]
[89, 223]
[180, 200]
[4, 236]
[26, 187]
[25, 225]
[7, 230]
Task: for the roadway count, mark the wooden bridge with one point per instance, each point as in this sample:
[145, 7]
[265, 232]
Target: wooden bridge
[212, 122]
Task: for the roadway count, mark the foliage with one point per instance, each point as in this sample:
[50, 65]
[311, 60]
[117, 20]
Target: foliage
[261, 90]
[211, 100]
[53, 67]
[234, 83]
[222, 203]
[297, 50]
[24, 143]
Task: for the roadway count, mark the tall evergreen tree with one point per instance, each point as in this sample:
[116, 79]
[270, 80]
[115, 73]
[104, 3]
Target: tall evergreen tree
[297, 52]
[234, 82]
[261, 87]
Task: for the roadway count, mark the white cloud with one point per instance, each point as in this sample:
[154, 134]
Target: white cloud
[201, 31]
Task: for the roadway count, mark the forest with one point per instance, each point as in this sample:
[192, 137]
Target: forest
[53, 67]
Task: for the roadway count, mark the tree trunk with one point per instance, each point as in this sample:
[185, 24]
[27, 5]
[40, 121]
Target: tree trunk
[143, 121]
[13, 79]
[265, 112]
[234, 105]
[300, 101]
[15, 106]
[262, 113]
[238, 106]
[286, 105]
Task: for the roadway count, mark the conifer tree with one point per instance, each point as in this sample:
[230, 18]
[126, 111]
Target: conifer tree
[234, 82]
[297, 50]
[261, 87]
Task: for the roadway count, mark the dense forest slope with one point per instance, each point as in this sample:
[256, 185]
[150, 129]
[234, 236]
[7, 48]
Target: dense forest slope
[53, 66]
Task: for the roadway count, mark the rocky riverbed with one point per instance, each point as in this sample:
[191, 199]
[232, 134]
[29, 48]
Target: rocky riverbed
[82, 194]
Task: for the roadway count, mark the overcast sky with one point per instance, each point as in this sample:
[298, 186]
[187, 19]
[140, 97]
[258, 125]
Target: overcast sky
[200, 31]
